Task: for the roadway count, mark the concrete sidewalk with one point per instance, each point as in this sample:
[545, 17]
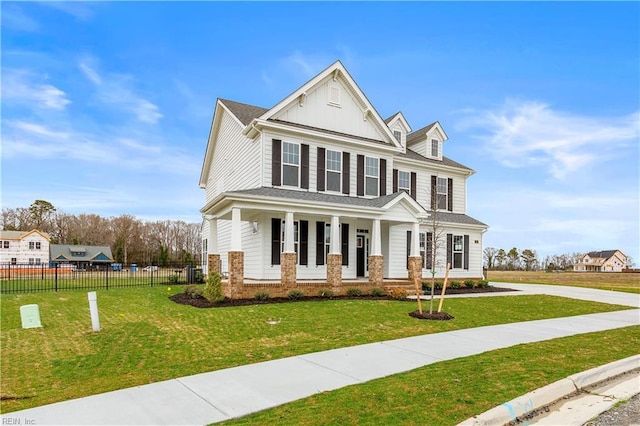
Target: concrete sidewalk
[234, 392]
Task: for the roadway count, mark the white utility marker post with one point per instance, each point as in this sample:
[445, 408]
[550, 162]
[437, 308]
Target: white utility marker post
[93, 307]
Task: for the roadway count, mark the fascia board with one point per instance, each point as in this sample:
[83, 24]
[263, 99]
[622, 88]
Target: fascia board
[400, 117]
[437, 127]
[271, 126]
[423, 165]
[405, 199]
[208, 156]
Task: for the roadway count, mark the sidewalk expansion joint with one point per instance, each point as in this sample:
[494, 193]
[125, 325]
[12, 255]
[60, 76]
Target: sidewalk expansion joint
[203, 399]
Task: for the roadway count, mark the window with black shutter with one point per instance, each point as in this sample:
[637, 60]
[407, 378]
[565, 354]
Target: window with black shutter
[414, 185]
[304, 159]
[321, 172]
[345, 244]
[304, 242]
[383, 177]
[276, 162]
[360, 175]
[275, 240]
[450, 194]
[395, 181]
[320, 243]
[466, 252]
[449, 248]
[346, 182]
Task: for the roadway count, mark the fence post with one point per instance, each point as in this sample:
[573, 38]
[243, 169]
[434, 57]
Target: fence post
[56, 275]
[106, 276]
[152, 277]
[42, 272]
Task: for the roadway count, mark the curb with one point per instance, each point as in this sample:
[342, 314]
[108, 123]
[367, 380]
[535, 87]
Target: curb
[519, 407]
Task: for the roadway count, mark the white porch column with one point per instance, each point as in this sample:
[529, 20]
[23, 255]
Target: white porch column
[335, 236]
[236, 230]
[288, 233]
[415, 240]
[376, 244]
[212, 240]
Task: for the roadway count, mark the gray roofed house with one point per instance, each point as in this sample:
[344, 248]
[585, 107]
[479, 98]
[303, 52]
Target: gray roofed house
[602, 261]
[80, 255]
[320, 187]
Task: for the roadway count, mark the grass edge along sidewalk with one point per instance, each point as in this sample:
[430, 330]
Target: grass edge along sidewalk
[147, 338]
[448, 392]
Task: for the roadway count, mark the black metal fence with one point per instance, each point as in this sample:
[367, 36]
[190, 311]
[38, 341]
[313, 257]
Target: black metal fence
[28, 278]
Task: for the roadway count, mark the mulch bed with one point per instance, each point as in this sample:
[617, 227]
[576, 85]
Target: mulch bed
[201, 302]
[440, 316]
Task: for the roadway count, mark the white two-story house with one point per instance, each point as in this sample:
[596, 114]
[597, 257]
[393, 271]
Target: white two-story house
[24, 248]
[321, 190]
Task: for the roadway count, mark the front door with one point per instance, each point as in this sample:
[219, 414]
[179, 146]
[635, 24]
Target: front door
[360, 255]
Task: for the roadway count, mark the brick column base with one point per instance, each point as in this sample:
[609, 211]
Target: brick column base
[288, 267]
[334, 270]
[375, 269]
[236, 273]
[213, 263]
[415, 268]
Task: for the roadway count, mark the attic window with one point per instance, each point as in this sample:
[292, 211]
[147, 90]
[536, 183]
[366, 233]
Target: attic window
[334, 95]
[434, 147]
[397, 135]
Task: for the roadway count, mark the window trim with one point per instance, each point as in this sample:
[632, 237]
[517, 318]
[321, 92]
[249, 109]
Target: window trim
[459, 252]
[338, 172]
[442, 197]
[435, 143]
[367, 176]
[285, 164]
[406, 188]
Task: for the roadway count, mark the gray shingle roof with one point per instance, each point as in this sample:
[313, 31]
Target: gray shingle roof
[605, 254]
[244, 112]
[413, 136]
[63, 252]
[321, 197]
[331, 132]
[412, 155]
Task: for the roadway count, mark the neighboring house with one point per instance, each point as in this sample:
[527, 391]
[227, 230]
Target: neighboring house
[320, 187]
[81, 257]
[24, 247]
[602, 261]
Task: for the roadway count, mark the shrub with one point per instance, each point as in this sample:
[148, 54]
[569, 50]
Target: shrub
[173, 279]
[354, 292]
[469, 283]
[438, 285]
[262, 295]
[295, 295]
[194, 291]
[455, 284]
[398, 293]
[213, 288]
[325, 292]
[482, 284]
[426, 286]
[378, 292]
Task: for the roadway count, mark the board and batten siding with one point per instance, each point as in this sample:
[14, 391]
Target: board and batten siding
[236, 160]
[317, 111]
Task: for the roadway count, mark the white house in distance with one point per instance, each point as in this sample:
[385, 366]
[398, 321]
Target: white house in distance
[24, 247]
[602, 261]
[319, 190]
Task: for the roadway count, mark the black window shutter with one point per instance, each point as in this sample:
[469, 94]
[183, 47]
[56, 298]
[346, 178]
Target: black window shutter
[383, 177]
[414, 185]
[449, 248]
[276, 163]
[276, 223]
[466, 252]
[429, 254]
[346, 167]
[304, 242]
[395, 180]
[434, 192]
[345, 244]
[408, 247]
[319, 243]
[321, 168]
[304, 159]
[450, 194]
[360, 182]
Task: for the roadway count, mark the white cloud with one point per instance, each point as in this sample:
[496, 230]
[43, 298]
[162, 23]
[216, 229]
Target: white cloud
[79, 10]
[25, 87]
[533, 134]
[14, 18]
[115, 90]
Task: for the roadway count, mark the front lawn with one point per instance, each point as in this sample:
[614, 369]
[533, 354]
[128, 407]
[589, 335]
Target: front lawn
[147, 338]
[617, 281]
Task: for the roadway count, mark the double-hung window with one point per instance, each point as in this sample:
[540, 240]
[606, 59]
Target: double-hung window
[434, 147]
[334, 171]
[5, 244]
[38, 245]
[290, 164]
[404, 181]
[32, 245]
[442, 193]
[372, 175]
[458, 245]
[327, 239]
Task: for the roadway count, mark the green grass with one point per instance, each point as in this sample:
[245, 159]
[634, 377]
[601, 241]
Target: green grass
[147, 338]
[617, 281]
[449, 392]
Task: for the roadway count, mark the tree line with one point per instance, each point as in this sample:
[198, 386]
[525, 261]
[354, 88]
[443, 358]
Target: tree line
[527, 260]
[131, 240]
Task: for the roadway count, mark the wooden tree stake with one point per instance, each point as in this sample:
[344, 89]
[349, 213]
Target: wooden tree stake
[418, 286]
[444, 287]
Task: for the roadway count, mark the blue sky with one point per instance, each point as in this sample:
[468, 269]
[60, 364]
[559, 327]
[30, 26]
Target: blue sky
[106, 107]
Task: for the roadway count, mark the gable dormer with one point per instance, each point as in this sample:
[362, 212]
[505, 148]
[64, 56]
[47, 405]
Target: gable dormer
[428, 141]
[399, 128]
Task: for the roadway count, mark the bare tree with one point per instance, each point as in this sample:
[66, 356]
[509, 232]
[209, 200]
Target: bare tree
[489, 256]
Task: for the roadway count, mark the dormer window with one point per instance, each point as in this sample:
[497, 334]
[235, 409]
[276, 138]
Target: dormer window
[398, 135]
[435, 148]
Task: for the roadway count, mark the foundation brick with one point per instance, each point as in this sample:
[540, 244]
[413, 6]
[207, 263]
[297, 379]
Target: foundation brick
[214, 263]
[334, 271]
[236, 273]
[288, 269]
[376, 270]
